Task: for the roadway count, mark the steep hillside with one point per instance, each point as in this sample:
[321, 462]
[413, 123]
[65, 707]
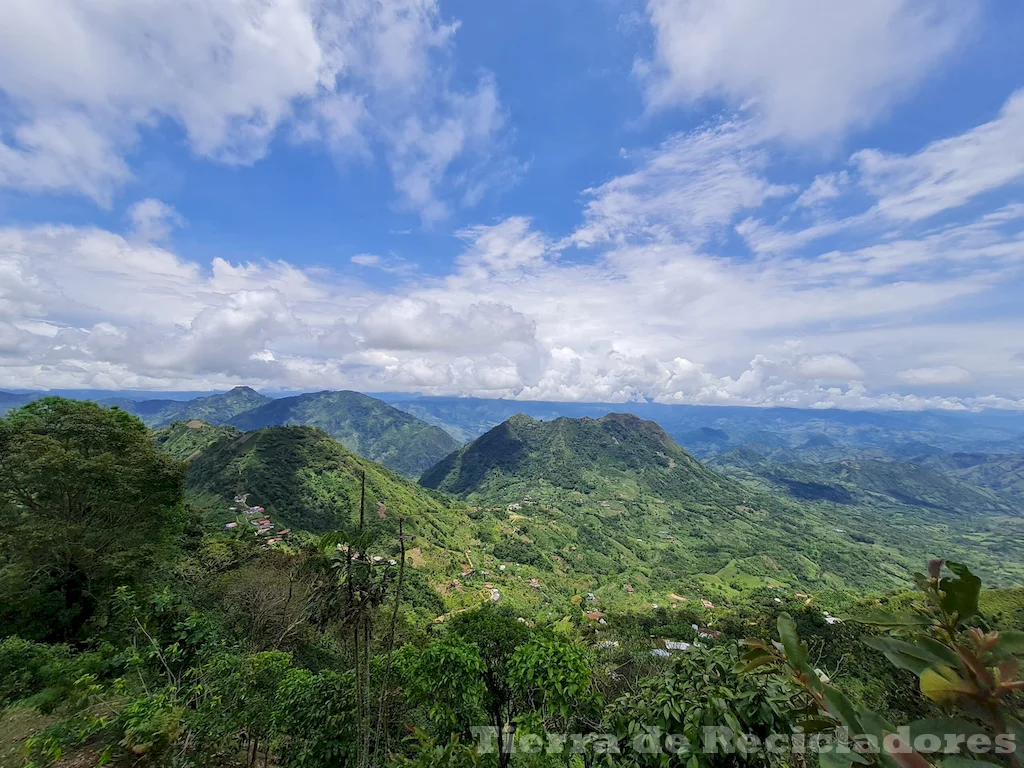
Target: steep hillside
[616, 498]
[185, 440]
[368, 426]
[308, 481]
[213, 409]
[603, 456]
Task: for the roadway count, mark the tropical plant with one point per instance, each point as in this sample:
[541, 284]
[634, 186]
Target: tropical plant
[971, 671]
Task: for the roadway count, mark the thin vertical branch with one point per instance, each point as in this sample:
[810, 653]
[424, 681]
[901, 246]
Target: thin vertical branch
[362, 502]
[382, 711]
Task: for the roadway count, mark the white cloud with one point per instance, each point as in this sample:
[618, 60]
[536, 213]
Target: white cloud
[943, 375]
[825, 187]
[831, 367]
[423, 149]
[63, 153]
[890, 190]
[507, 246]
[810, 69]
[691, 184]
[666, 305]
[662, 322]
[948, 173]
[153, 220]
[366, 260]
[417, 325]
[230, 73]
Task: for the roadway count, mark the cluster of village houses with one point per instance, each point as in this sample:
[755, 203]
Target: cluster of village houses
[257, 517]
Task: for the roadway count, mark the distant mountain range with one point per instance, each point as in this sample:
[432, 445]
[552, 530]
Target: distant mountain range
[363, 424]
[868, 482]
[368, 426]
[705, 430]
[214, 409]
[1000, 472]
[777, 448]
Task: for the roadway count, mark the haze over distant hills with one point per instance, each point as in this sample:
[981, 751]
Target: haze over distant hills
[215, 409]
[875, 434]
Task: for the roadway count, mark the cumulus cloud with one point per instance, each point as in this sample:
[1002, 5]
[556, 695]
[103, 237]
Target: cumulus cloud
[81, 90]
[809, 69]
[666, 303]
[89, 308]
[418, 324]
[831, 367]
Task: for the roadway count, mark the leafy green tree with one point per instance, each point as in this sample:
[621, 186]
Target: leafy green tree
[553, 677]
[86, 505]
[446, 679]
[239, 696]
[315, 720]
[497, 634]
[702, 689]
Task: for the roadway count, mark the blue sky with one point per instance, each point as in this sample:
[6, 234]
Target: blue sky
[741, 201]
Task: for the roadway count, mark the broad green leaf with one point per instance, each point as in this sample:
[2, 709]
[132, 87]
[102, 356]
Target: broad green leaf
[909, 656]
[885, 619]
[796, 652]
[942, 684]
[842, 708]
[947, 655]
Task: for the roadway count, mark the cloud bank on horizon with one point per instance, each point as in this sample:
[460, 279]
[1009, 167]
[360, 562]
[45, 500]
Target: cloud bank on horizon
[763, 202]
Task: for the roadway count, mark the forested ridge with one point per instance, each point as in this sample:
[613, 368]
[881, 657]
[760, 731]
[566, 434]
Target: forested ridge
[200, 596]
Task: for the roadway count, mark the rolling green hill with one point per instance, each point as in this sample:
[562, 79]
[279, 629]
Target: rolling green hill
[185, 440]
[363, 424]
[308, 481]
[617, 500]
[213, 409]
